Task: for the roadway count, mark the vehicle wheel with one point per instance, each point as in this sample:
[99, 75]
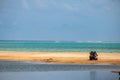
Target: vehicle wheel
[90, 58]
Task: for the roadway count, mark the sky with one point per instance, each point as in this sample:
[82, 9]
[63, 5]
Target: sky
[60, 20]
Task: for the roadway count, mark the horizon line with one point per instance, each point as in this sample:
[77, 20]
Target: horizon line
[65, 41]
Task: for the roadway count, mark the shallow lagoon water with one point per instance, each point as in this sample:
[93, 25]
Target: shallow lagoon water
[59, 75]
[51, 73]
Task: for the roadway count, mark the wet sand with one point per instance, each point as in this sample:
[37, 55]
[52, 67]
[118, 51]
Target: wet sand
[61, 57]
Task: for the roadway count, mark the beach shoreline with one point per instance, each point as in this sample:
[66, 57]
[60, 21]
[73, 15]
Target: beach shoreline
[61, 57]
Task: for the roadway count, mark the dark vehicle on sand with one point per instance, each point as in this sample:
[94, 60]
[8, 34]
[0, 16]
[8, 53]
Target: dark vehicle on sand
[93, 55]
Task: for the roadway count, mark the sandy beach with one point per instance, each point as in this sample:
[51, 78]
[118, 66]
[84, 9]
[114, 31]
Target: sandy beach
[61, 57]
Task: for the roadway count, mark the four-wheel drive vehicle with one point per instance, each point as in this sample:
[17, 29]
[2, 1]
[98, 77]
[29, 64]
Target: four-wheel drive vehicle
[93, 55]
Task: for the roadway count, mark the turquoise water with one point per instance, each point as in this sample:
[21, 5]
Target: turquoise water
[59, 46]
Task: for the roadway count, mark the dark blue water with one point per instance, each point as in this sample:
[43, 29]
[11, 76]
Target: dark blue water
[59, 46]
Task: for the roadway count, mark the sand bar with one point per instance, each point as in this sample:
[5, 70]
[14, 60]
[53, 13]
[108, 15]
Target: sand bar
[61, 57]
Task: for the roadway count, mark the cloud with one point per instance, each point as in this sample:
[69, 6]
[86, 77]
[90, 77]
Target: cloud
[75, 6]
[71, 7]
[53, 4]
[25, 4]
[41, 4]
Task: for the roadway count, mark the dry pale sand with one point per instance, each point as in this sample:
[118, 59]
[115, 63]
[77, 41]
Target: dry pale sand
[61, 57]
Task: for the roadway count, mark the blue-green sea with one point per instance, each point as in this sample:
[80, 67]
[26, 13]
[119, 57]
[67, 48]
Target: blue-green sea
[59, 46]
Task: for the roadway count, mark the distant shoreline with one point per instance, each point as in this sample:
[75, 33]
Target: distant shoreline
[61, 57]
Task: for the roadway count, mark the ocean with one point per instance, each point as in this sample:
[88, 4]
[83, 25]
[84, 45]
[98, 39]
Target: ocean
[59, 46]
